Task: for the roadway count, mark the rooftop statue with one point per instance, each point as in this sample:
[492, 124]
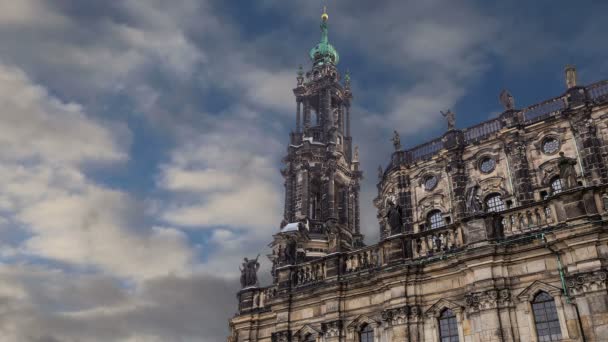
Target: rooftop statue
[451, 117]
[249, 276]
[396, 141]
[506, 99]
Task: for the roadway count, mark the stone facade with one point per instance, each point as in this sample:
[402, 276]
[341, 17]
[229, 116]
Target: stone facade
[489, 218]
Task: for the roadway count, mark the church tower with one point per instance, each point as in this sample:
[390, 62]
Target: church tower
[321, 167]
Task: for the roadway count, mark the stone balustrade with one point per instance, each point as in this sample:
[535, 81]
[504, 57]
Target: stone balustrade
[308, 273]
[523, 220]
[437, 240]
[362, 259]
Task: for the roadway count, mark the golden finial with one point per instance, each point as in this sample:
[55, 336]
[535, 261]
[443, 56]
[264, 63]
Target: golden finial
[324, 16]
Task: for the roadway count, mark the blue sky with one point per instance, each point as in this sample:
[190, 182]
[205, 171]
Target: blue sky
[141, 140]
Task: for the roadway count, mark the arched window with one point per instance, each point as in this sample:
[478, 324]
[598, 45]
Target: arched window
[557, 185]
[309, 338]
[545, 318]
[448, 327]
[494, 203]
[366, 334]
[435, 219]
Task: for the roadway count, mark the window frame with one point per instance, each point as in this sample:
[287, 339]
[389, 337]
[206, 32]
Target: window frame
[368, 330]
[448, 317]
[555, 180]
[435, 224]
[552, 319]
[494, 208]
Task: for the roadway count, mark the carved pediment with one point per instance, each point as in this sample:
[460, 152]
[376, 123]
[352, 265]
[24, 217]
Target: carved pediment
[529, 292]
[435, 200]
[436, 309]
[364, 319]
[548, 170]
[307, 330]
[492, 184]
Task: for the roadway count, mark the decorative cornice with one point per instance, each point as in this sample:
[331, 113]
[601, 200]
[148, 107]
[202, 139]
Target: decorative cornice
[331, 329]
[583, 283]
[486, 300]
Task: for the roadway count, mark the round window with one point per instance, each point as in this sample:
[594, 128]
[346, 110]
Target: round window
[487, 165]
[550, 146]
[430, 183]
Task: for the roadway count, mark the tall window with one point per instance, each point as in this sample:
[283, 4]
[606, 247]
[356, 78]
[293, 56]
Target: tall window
[435, 219]
[366, 334]
[545, 318]
[309, 338]
[557, 185]
[494, 203]
[448, 327]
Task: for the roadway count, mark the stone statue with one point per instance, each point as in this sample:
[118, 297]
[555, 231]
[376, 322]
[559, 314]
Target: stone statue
[249, 276]
[570, 76]
[396, 141]
[567, 173]
[506, 99]
[474, 204]
[393, 215]
[356, 156]
[451, 117]
[290, 250]
[380, 172]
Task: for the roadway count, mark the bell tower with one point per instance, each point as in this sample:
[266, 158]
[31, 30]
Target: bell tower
[321, 170]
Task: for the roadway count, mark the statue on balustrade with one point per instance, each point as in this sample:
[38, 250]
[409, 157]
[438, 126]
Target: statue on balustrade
[567, 173]
[451, 118]
[393, 216]
[507, 100]
[290, 250]
[396, 141]
[249, 276]
[474, 204]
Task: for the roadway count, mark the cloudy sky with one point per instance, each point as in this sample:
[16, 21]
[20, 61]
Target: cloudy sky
[140, 140]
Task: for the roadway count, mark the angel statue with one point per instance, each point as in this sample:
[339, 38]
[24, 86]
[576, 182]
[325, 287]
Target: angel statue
[249, 271]
[451, 117]
[506, 99]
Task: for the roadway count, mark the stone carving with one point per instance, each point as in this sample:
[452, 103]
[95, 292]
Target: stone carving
[380, 172]
[506, 99]
[484, 300]
[249, 271]
[396, 141]
[582, 283]
[473, 200]
[451, 118]
[290, 250]
[281, 336]
[331, 329]
[567, 173]
[393, 216]
[332, 231]
[570, 76]
[356, 154]
[605, 201]
[396, 316]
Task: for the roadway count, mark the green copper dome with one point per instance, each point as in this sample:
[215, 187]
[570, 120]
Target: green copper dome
[324, 52]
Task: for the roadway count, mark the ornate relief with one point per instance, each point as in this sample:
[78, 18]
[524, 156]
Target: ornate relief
[281, 336]
[396, 316]
[491, 185]
[436, 309]
[484, 300]
[331, 329]
[587, 282]
[548, 170]
[432, 201]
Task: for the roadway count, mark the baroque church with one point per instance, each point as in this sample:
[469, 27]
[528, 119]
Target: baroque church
[495, 232]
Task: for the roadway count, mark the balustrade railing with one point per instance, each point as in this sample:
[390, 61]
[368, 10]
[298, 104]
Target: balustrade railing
[544, 109]
[482, 130]
[363, 259]
[437, 240]
[308, 273]
[598, 91]
[528, 219]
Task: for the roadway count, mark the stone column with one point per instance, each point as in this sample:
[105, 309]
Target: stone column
[456, 171]
[298, 129]
[306, 114]
[331, 196]
[589, 149]
[520, 170]
[405, 201]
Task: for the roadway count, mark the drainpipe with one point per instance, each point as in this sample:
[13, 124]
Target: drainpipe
[560, 269]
